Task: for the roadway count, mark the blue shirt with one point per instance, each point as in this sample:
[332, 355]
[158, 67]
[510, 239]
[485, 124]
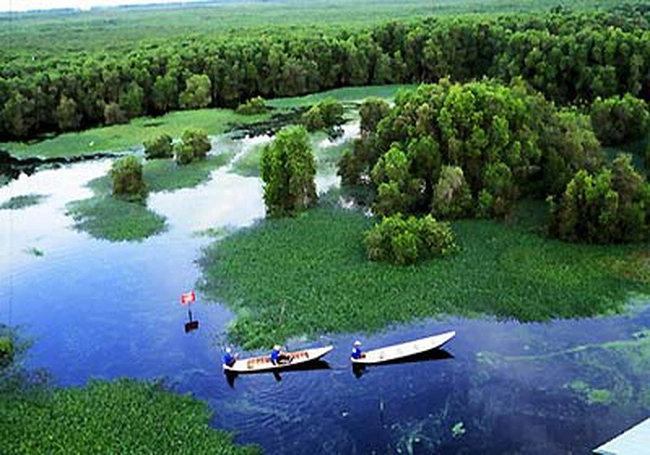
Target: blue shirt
[275, 356]
[356, 353]
[228, 359]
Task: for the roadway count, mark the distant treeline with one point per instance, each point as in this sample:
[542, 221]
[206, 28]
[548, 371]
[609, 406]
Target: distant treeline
[570, 57]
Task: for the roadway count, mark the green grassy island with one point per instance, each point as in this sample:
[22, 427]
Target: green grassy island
[325, 283]
[23, 201]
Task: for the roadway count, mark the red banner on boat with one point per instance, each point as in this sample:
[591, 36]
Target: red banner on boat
[188, 297]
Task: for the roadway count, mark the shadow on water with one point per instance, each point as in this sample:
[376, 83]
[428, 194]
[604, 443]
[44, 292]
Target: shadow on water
[12, 168]
[430, 356]
[277, 375]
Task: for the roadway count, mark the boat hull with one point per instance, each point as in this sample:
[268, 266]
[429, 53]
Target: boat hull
[404, 350]
[263, 363]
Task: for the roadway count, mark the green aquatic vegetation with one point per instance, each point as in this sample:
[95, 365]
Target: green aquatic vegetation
[6, 351]
[23, 201]
[615, 372]
[119, 138]
[248, 164]
[589, 394]
[310, 275]
[114, 219]
[343, 95]
[33, 251]
[166, 175]
[458, 430]
[122, 416]
[109, 218]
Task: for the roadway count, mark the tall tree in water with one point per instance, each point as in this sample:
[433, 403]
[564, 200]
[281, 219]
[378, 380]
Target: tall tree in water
[288, 170]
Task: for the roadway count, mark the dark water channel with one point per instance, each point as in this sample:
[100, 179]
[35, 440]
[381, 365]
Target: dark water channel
[104, 310]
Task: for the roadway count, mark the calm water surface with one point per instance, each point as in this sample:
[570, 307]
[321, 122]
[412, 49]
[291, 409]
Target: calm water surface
[104, 310]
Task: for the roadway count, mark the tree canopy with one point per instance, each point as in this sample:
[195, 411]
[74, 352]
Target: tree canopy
[288, 170]
[569, 57]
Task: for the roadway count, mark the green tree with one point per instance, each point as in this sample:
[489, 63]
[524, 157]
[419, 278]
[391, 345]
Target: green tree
[164, 93]
[397, 189]
[404, 241]
[6, 351]
[612, 205]
[452, 197]
[67, 116]
[253, 106]
[198, 141]
[114, 114]
[288, 170]
[194, 145]
[183, 153]
[159, 147]
[619, 120]
[323, 115]
[18, 115]
[127, 178]
[132, 100]
[197, 93]
[372, 111]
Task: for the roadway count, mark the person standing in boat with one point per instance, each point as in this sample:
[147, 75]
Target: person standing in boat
[229, 358]
[357, 353]
[278, 357]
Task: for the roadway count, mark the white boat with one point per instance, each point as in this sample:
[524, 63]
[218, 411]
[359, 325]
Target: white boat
[263, 363]
[408, 349]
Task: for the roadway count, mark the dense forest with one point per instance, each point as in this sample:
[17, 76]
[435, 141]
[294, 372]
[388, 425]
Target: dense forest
[569, 57]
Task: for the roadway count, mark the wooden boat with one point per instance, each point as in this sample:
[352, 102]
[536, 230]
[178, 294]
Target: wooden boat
[400, 351]
[263, 363]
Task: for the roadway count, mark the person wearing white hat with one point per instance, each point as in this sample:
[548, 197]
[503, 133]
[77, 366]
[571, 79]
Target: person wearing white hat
[229, 358]
[277, 356]
[357, 353]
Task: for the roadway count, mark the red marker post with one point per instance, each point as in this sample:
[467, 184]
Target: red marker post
[187, 299]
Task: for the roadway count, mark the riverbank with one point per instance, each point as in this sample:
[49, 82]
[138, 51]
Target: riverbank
[309, 275]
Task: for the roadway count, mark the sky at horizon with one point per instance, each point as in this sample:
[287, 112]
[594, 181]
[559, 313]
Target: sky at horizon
[29, 5]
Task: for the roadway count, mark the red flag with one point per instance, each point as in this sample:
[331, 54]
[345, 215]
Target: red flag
[188, 298]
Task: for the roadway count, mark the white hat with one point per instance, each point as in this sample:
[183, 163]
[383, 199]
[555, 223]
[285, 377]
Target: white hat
[228, 350]
[277, 347]
[357, 343]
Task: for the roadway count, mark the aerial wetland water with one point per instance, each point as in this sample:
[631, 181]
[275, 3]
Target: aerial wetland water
[101, 309]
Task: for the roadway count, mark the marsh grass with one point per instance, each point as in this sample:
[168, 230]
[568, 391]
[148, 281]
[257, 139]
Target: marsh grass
[309, 275]
[120, 138]
[109, 218]
[122, 416]
[166, 175]
[23, 201]
[344, 95]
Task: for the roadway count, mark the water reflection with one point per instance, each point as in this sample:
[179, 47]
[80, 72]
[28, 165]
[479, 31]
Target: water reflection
[278, 374]
[431, 356]
[192, 324]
